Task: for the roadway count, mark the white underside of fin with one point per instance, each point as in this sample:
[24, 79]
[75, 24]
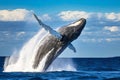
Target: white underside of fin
[48, 28]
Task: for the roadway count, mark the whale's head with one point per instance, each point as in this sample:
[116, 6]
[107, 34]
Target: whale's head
[72, 31]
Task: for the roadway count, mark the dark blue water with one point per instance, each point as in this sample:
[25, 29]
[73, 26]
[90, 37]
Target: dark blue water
[86, 69]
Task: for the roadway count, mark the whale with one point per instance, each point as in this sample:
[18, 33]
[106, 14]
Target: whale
[58, 40]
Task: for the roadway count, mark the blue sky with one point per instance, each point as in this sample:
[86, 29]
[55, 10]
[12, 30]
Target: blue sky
[100, 38]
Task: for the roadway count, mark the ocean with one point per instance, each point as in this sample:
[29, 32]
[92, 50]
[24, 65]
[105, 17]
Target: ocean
[70, 69]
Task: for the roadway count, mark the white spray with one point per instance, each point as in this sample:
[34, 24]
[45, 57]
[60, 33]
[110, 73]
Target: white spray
[23, 61]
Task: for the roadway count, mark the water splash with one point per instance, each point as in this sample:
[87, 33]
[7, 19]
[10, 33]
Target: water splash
[26, 55]
[62, 64]
[22, 61]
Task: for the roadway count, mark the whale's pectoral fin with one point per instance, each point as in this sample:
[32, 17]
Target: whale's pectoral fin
[70, 46]
[48, 28]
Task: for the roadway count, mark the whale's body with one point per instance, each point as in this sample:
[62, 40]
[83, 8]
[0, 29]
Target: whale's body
[55, 43]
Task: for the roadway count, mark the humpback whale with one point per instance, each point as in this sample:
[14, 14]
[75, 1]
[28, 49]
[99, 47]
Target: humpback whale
[57, 41]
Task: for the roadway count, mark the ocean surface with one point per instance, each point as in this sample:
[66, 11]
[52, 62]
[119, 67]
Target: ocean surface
[70, 69]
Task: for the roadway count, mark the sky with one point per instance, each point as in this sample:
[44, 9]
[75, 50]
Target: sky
[100, 38]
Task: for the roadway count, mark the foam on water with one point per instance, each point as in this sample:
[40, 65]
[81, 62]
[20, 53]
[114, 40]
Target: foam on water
[67, 67]
[60, 65]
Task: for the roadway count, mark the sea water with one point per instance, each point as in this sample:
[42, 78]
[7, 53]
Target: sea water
[84, 69]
